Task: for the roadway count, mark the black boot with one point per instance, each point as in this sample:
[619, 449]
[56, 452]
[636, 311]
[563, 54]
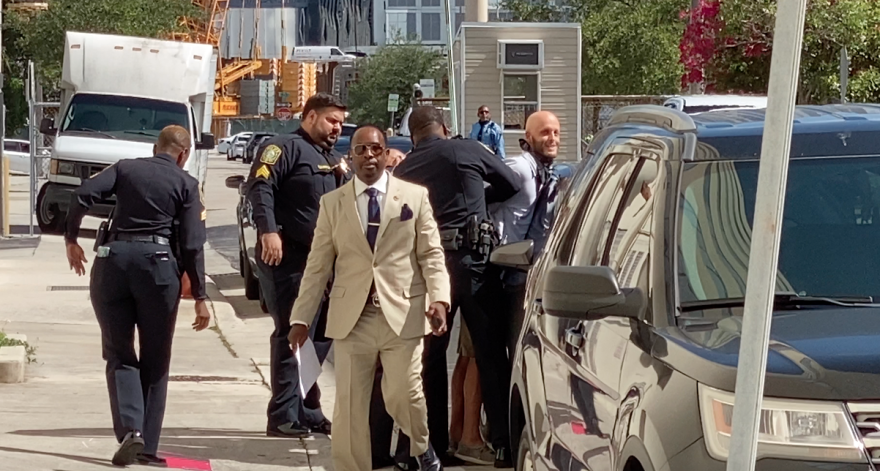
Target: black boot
[428, 461]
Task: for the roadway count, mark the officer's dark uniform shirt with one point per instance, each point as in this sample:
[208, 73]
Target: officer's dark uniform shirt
[150, 194]
[286, 184]
[454, 170]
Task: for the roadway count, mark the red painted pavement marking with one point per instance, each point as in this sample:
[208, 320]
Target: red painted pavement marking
[188, 464]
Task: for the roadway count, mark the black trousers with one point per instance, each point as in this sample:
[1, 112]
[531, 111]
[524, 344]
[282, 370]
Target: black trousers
[136, 287]
[280, 286]
[490, 347]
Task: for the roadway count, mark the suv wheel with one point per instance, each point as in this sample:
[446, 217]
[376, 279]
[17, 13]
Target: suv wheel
[251, 283]
[524, 461]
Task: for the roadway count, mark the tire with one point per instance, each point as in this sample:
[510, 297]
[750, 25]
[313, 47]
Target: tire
[251, 283]
[524, 460]
[49, 217]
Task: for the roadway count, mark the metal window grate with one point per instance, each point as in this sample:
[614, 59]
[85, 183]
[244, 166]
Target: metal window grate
[68, 288]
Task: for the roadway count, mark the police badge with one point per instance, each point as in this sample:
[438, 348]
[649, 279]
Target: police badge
[271, 155]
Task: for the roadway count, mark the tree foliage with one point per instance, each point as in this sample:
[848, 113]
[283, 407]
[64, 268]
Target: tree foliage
[393, 69]
[733, 41]
[629, 46]
[40, 37]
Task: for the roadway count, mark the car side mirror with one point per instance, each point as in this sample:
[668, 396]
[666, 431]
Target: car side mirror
[234, 181]
[207, 142]
[518, 255]
[590, 293]
[47, 126]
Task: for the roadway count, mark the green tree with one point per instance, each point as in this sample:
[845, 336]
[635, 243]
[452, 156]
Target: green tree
[393, 69]
[629, 46]
[40, 37]
[739, 59]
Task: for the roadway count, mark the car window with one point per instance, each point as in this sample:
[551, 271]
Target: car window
[831, 223]
[10, 146]
[589, 235]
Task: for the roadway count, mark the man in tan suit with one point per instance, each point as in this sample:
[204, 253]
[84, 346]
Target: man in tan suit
[378, 235]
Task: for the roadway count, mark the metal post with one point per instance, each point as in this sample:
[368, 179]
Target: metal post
[32, 138]
[844, 73]
[4, 188]
[764, 253]
[450, 65]
[694, 88]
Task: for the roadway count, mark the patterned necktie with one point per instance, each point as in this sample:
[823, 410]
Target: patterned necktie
[373, 217]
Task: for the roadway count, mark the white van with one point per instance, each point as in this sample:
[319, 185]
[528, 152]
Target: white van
[692, 104]
[321, 54]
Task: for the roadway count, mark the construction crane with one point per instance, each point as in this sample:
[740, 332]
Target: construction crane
[208, 29]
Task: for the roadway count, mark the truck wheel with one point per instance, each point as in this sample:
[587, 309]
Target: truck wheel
[251, 283]
[49, 217]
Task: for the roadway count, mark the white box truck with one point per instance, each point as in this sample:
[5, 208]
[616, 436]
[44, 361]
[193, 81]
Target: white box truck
[118, 92]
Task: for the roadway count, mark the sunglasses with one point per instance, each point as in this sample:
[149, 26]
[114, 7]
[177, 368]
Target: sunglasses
[362, 149]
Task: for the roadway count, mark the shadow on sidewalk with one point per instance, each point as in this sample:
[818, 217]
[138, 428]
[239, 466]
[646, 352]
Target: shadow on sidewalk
[199, 444]
[81, 459]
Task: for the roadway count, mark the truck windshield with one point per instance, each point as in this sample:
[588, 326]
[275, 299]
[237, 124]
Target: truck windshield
[118, 117]
[830, 232]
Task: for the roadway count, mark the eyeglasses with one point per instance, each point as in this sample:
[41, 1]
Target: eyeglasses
[362, 149]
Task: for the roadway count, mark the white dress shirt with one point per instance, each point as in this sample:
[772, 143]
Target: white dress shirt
[363, 199]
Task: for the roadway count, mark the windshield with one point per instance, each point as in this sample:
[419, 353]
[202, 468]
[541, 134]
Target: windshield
[828, 232]
[118, 117]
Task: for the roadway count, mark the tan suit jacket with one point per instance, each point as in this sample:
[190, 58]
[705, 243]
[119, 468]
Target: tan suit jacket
[408, 265]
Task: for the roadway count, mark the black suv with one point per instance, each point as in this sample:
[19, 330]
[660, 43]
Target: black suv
[627, 357]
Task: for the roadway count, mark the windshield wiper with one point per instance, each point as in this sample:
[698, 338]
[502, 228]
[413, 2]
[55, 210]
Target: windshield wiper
[783, 302]
[142, 133]
[95, 131]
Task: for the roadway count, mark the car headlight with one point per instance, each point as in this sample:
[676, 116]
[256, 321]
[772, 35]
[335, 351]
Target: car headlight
[60, 167]
[789, 428]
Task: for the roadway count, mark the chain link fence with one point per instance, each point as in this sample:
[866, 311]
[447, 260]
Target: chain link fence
[597, 110]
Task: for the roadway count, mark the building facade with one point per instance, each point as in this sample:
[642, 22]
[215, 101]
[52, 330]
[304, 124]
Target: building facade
[422, 20]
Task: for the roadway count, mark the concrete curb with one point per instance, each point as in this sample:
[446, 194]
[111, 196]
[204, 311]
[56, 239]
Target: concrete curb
[12, 361]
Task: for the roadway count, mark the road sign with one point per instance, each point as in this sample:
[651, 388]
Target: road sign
[393, 102]
[427, 86]
[283, 114]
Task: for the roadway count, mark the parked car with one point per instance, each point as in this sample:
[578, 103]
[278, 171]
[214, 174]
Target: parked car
[253, 144]
[223, 144]
[18, 152]
[627, 357]
[692, 104]
[236, 146]
[247, 242]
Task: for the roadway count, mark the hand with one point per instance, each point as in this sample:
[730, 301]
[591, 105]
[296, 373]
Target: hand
[76, 258]
[271, 248]
[299, 333]
[203, 316]
[437, 315]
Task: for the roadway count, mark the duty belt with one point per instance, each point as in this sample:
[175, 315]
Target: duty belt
[149, 239]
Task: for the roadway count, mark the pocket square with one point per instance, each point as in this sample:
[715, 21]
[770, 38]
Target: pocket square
[405, 213]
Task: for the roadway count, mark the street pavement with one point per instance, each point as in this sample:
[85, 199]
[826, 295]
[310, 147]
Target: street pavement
[216, 416]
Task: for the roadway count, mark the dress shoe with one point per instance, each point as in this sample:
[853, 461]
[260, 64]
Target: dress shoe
[428, 461]
[131, 446]
[323, 426]
[288, 430]
[503, 458]
[151, 460]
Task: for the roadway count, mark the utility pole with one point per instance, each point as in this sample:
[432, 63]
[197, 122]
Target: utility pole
[694, 88]
[4, 170]
[788, 36]
[450, 64]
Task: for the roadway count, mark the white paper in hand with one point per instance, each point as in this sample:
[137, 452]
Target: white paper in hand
[309, 366]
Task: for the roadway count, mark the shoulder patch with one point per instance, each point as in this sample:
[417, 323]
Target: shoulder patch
[263, 172]
[271, 155]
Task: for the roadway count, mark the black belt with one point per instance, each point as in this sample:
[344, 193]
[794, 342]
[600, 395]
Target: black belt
[149, 239]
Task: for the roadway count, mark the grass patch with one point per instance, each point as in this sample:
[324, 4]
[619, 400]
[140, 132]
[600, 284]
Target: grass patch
[30, 350]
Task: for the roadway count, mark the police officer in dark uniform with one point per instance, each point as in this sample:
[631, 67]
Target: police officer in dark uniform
[455, 172]
[286, 183]
[136, 281]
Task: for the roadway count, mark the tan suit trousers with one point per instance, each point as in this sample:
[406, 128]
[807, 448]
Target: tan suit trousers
[355, 365]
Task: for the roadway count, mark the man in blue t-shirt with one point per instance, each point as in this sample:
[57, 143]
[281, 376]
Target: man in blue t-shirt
[488, 132]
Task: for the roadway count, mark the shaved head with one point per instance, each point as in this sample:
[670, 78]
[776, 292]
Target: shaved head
[395, 156]
[542, 134]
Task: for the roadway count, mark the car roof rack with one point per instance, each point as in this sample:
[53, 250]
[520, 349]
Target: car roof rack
[667, 118]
